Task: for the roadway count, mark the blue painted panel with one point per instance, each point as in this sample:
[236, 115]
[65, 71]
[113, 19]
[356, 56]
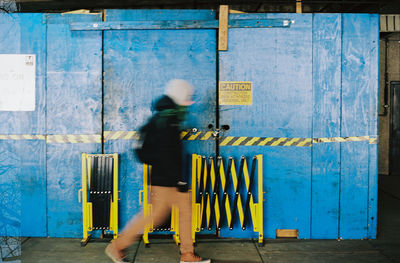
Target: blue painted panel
[355, 74]
[137, 65]
[326, 74]
[10, 189]
[24, 188]
[355, 122]
[165, 14]
[282, 90]
[286, 184]
[354, 190]
[326, 123]
[279, 63]
[33, 188]
[373, 191]
[64, 169]
[74, 69]
[74, 95]
[25, 34]
[23, 166]
[10, 33]
[373, 126]
[325, 191]
[130, 179]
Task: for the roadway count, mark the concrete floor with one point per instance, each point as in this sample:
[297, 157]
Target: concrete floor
[385, 249]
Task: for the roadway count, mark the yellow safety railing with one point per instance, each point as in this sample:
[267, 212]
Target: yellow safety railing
[211, 187]
[106, 185]
[147, 210]
[210, 194]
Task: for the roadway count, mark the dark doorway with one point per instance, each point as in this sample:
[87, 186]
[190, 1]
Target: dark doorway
[394, 161]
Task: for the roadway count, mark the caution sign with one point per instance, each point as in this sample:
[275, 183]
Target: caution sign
[235, 93]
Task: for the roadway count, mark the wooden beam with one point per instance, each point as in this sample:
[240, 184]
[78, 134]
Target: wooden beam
[223, 27]
[298, 7]
[231, 11]
[80, 11]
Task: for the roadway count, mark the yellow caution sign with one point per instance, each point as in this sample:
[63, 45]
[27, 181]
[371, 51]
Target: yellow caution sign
[235, 93]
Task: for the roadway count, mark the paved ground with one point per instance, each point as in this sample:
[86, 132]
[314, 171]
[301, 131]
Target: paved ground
[385, 249]
[221, 251]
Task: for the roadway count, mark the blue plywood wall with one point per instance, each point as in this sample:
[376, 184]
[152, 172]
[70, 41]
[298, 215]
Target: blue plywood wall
[279, 63]
[326, 124]
[22, 165]
[137, 65]
[316, 79]
[74, 98]
[345, 99]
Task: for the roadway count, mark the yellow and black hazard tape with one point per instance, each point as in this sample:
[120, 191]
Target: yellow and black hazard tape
[74, 138]
[373, 140]
[121, 135]
[191, 136]
[70, 138]
[342, 139]
[22, 137]
[370, 139]
[265, 141]
[201, 135]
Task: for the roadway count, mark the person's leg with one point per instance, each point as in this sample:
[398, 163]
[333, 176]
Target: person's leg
[183, 202]
[161, 207]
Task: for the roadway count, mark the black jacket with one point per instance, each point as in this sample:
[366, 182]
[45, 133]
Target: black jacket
[167, 165]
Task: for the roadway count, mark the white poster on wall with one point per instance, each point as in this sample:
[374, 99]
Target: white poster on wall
[17, 82]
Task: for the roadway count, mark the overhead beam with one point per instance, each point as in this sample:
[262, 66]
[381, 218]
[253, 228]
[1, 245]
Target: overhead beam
[179, 24]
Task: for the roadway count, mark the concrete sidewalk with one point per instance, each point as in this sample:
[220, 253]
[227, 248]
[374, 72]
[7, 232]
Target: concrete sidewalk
[219, 250]
[385, 249]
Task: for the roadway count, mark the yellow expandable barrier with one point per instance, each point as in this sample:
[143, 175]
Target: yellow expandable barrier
[99, 194]
[211, 187]
[211, 205]
[147, 209]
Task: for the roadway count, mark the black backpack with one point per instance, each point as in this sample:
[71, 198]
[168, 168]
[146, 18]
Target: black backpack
[147, 141]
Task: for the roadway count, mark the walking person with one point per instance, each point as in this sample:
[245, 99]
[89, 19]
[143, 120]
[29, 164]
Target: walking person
[166, 174]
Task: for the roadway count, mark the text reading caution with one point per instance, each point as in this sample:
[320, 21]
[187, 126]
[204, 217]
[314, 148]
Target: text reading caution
[235, 93]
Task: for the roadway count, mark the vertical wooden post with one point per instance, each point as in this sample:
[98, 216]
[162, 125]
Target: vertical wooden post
[298, 7]
[223, 27]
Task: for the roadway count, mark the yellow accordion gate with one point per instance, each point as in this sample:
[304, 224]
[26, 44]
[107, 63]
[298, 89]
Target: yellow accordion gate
[99, 194]
[147, 210]
[216, 196]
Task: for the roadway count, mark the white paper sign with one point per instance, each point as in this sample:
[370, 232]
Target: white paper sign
[17, 82]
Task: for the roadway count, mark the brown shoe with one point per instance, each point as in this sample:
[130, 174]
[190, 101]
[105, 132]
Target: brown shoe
[193, 258]
[114, 254]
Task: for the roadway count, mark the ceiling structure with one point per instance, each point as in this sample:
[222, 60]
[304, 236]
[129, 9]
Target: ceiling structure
[251, 6]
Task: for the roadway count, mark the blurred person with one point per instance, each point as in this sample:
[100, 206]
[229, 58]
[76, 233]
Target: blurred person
[167, 189]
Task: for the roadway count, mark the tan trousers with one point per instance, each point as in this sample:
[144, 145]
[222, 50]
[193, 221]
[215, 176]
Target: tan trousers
[162, 198]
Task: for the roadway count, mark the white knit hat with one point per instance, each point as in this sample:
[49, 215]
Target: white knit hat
[180, 91]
